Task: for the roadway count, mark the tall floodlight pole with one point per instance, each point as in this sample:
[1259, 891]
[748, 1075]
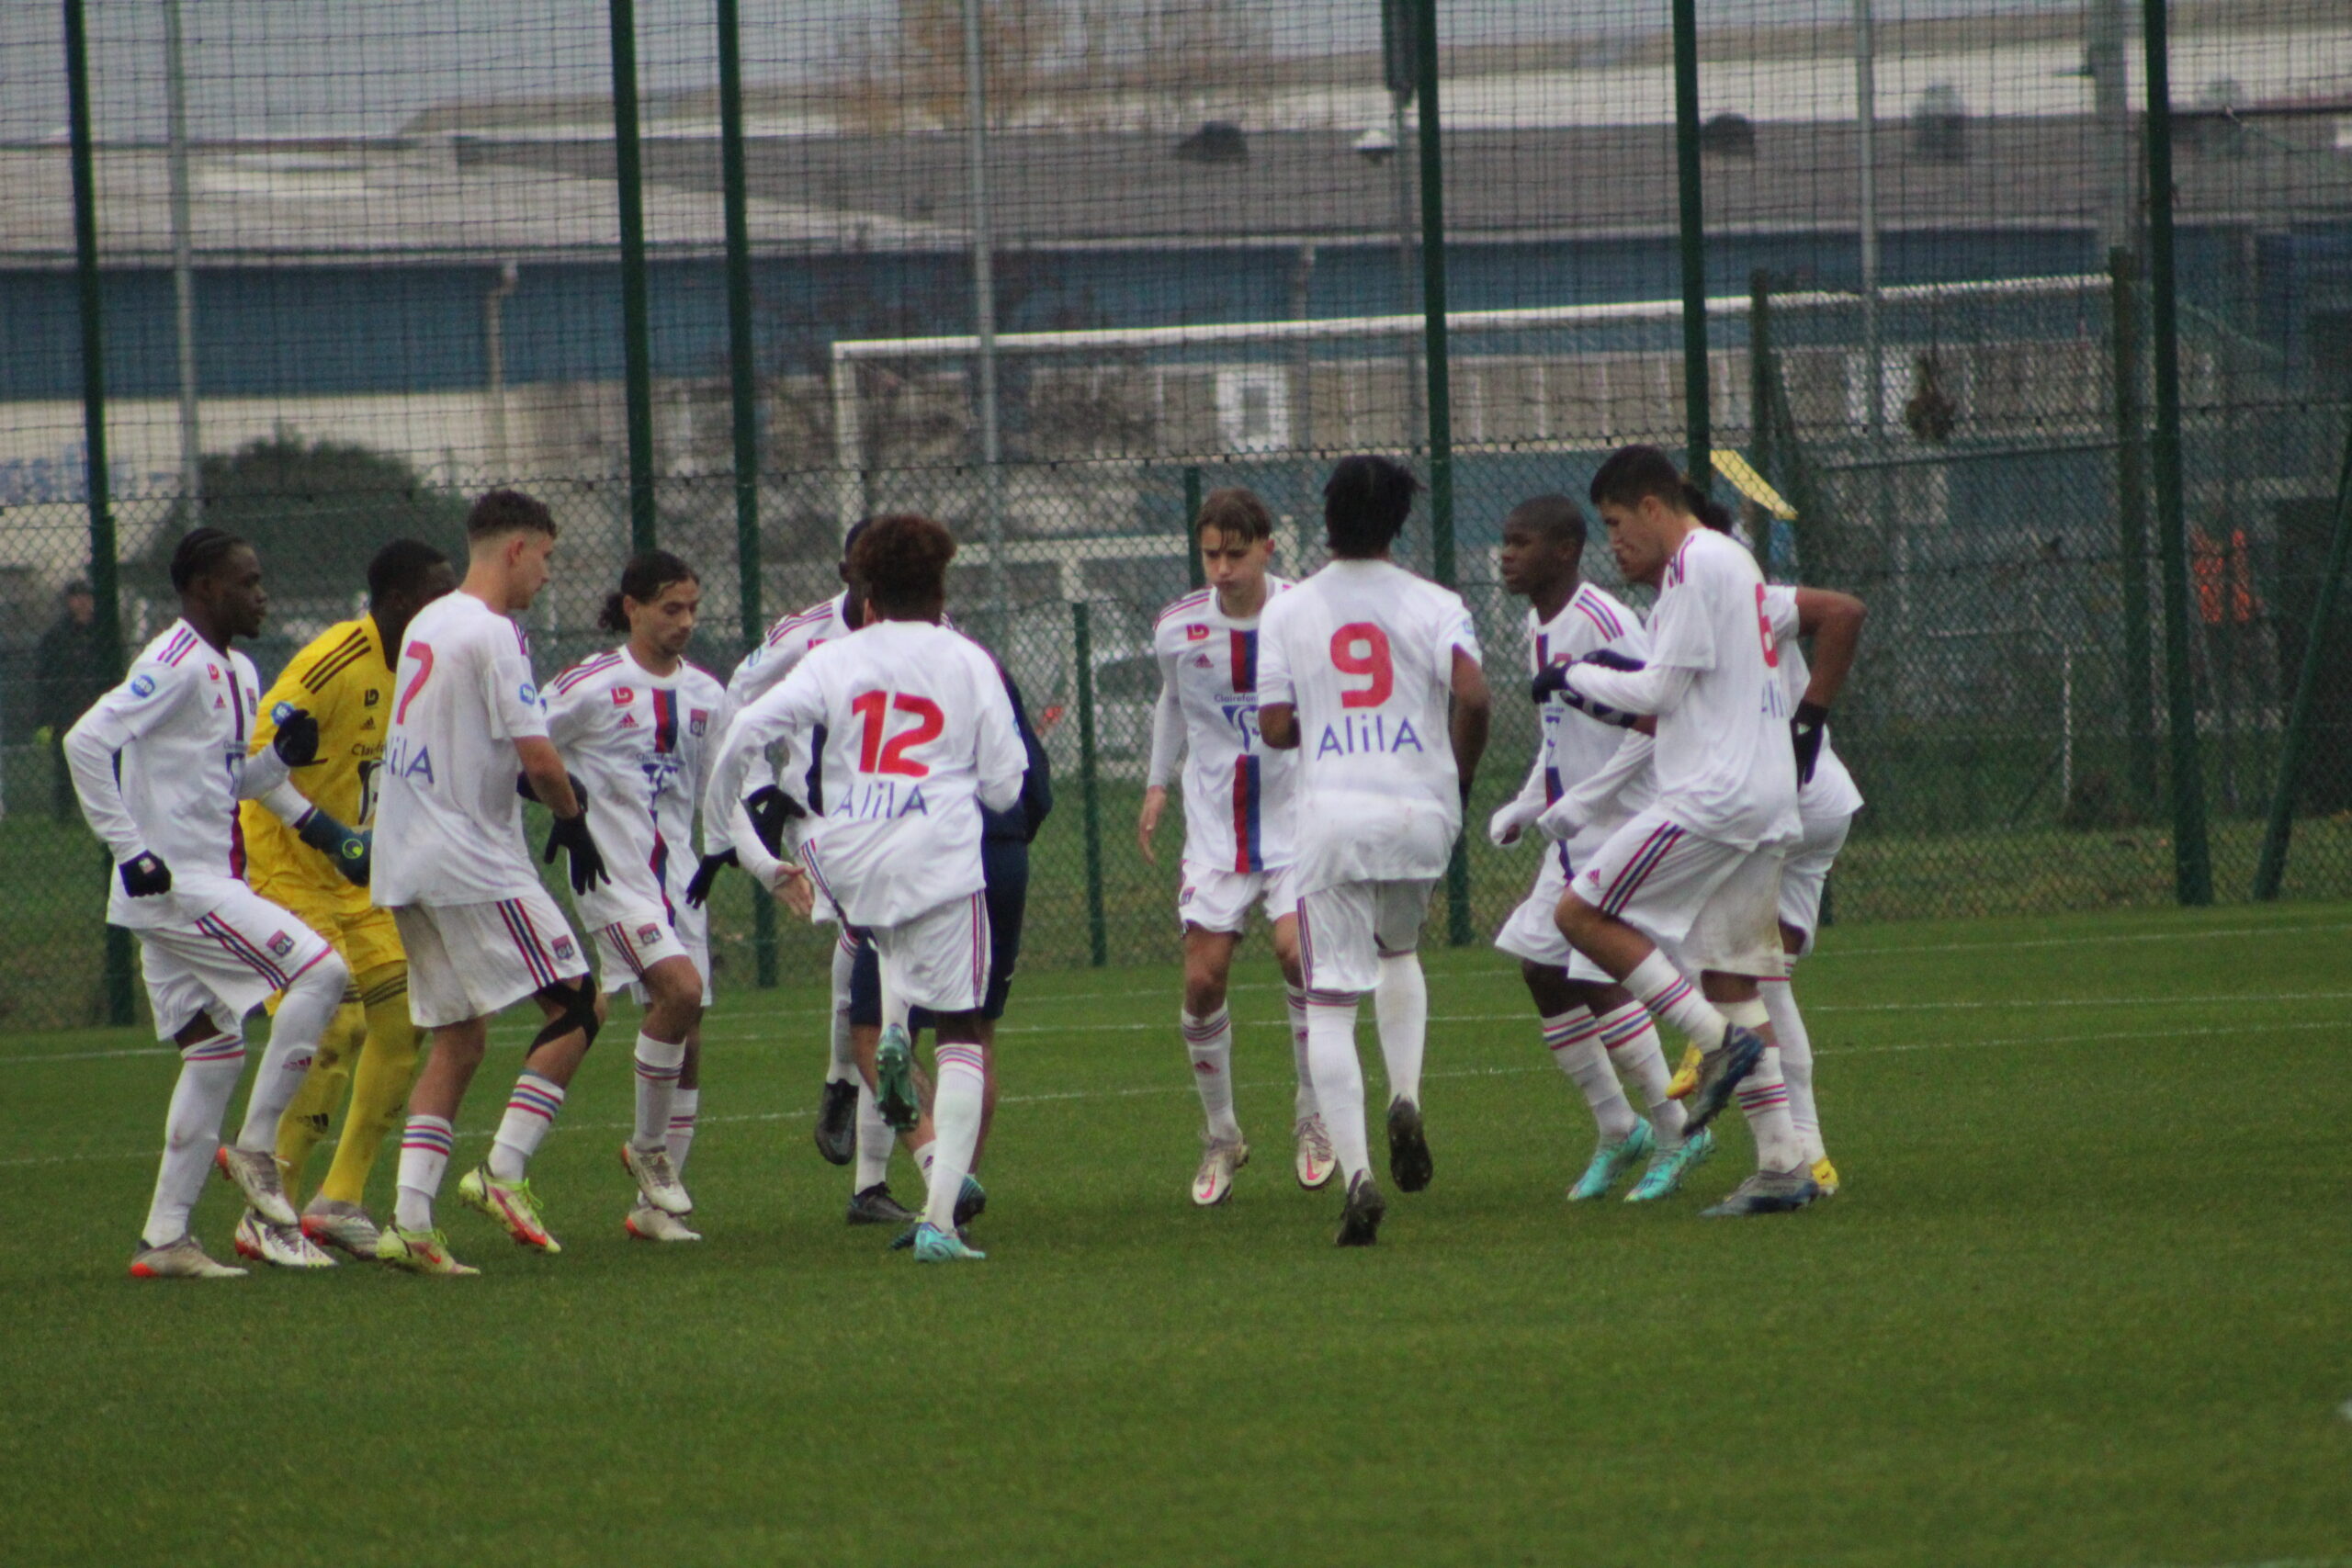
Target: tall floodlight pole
[976, 134]
[1866, 154]
[1691, 199]
[183, 260]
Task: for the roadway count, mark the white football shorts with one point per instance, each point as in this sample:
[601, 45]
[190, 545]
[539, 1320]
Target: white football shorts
[1534, 934]
[627, 947]
[1807, 873]
[1737, 931]
[468, 961]
[1219, 900]
[225, 962]
[939, 960]
[1345, 931]
[1656, 876]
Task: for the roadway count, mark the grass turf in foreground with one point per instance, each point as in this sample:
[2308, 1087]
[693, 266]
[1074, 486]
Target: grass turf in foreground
[2083, 1301]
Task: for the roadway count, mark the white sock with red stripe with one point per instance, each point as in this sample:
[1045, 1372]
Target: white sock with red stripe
[843, 1067]
[425, 1143]
[1631, 1040]
[530, 1112]
[874, 1141]
[659, 1063]
[1294, 1006]
[685, 1104]
[956, 1093]
[303, 1015]
[1764, 1100]
[1401, 1011]
[1338, 1078]
[1668, 995]
[209, 1072]
[1574, 1040]
[1796, 1064]
[1209, 1042]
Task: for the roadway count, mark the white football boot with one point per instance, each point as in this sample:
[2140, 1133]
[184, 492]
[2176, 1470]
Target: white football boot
[281, 1247]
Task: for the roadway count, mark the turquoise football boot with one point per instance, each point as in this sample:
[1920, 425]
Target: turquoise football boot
[1668, 1166]
[1611, 1161]
[935, 1246]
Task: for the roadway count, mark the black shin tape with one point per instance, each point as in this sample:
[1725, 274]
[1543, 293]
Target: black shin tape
[579, 1005]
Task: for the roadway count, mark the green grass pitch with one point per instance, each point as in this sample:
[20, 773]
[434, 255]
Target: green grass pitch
[2085, 1301]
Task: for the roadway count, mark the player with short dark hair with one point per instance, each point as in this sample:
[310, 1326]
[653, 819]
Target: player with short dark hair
[1597, 1033]
[636, 725]
[1238, 831]
[452, 865]
[891, 736]
[848, 1129]
[316, 862]
[1698, 872]
[160, 764]
[1356, 670]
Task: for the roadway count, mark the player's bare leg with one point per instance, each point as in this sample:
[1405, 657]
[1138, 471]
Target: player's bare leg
[673, 1012]
[1315, 1162]
[500, 1187]
[1208, 1041]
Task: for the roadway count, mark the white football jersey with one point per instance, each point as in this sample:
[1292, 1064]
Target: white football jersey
[1726, 769]
[1364, 650]
[1574, 745]
[1831, 791]
[892, 740]
[1236, 789]
[160, 764]
[785, 644]
[448, 821]
[641, 746]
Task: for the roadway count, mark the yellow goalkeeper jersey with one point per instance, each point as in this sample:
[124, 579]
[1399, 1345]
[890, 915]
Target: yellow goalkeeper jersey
[342, 678]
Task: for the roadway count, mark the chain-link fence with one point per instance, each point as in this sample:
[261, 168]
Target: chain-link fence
[349, 270]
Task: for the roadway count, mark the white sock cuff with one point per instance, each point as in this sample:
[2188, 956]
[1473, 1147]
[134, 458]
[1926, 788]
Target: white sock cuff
[215, 1048]
[1201, 1029]
[660, 1058]
[1747, 1015]
[1562, 1030]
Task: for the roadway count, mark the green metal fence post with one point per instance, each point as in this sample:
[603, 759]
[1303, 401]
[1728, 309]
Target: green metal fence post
[2131, 521]
[2192, 858]
[744, 393]
[1193, 571]
[106, 584]
[1440, 385]
[1690, 199]
[1098, 939]
[628, 181]
[2272, 871]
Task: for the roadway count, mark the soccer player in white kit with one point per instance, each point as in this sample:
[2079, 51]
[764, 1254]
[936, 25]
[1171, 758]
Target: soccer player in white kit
[906, 732]
[160, 763]
[1595, 1030]
[1237, 825]
[1355, 667]
[1828, 801]
[452, 865]
[637, 726]
[848, 1126]
[1699, 871]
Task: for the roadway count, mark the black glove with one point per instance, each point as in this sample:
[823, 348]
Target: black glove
[1806, 731]
[523, 787]
[570, 834]
[348, 848]
[297, 741]
[706, 877]
[1610, 659]
[770, 808]
[144, 876]
[1550, 680]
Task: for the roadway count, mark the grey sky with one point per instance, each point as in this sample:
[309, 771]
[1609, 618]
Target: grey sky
[362, 67]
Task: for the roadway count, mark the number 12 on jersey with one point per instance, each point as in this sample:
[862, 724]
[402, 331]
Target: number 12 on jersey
[881, 752]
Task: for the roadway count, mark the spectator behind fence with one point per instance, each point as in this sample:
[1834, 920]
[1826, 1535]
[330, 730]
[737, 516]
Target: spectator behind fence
[69, 674]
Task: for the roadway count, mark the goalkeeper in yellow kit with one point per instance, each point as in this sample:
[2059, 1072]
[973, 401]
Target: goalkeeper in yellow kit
[317, 868]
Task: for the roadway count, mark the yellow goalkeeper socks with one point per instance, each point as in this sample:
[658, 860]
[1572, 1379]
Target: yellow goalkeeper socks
[379, 1087]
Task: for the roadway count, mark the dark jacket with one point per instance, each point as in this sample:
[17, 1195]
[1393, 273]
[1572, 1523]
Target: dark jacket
[69, 674]
[1022, 819]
